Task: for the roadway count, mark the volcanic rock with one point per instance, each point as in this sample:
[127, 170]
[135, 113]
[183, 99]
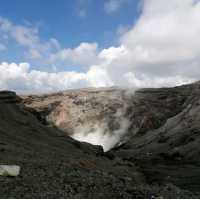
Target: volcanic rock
[154, 149]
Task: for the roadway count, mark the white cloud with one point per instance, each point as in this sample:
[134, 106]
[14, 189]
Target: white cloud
[28, 37]
[83, 55]
[162, 49]
[165, 39]
[21, 78]
[98, 77]
[49, 52]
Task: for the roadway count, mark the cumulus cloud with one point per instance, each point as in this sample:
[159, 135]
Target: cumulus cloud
[28, 36]
[161, 49]
[49, 52]
[21, 78]
[164, 40]
[83, 55]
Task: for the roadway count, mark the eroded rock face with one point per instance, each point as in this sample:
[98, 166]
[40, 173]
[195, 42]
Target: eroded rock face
[91, 115]
[108, 117]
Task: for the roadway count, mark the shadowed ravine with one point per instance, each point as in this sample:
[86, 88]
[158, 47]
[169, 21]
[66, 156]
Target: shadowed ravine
[151, 135]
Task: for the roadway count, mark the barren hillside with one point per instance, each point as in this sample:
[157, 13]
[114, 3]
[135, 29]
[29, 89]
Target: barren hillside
[152, 136]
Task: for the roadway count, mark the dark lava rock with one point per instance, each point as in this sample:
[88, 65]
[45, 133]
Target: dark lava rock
[169, 151]
[54, 165]
[161, 147]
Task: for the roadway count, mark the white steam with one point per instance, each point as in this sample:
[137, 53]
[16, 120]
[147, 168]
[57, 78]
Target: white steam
[99, 134]
[109, 131]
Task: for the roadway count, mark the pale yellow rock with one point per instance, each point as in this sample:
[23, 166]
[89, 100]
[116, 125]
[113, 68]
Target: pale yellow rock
[9, 170]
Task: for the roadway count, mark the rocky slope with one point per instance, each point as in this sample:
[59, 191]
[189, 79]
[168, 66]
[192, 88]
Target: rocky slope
[170, 151]
[56, 166]
[154, 139]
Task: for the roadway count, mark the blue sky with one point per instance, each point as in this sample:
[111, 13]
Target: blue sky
[68, 21]
[51, 45]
